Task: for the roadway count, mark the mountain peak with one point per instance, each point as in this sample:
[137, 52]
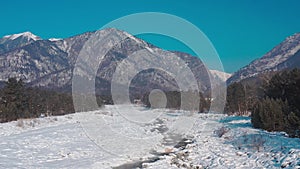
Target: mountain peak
[124, 33]
[27, 35]
[220, 75]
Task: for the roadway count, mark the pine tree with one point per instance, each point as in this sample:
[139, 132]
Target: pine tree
[293, 124]
[269, 115]
[255, 116]
[236, 99]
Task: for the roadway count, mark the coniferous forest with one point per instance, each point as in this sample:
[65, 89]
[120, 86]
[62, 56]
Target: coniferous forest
[272, 102]
[18, 101]
[279, 110]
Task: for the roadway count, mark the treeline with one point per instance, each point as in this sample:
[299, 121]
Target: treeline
[273, 103]
[173, 101]
[18, 101]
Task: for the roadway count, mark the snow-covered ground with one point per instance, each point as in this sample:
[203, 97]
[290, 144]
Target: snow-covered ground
[133, 137]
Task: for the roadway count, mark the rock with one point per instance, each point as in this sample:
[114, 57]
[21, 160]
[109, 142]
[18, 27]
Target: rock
[168, 150]
[239, 153]
[285, 164]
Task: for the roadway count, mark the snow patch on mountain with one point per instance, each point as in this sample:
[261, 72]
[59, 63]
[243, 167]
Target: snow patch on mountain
[138, 41]
[54, 39]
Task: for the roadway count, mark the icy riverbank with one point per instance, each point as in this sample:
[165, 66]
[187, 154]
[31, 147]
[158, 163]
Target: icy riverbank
[109, 139]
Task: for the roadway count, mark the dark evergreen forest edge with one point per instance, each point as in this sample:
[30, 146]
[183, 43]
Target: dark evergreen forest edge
[271, 99]
[18, 101]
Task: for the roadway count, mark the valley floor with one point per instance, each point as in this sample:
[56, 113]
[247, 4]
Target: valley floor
[118, 137]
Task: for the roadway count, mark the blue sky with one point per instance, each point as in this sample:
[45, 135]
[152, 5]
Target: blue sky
[241, 30]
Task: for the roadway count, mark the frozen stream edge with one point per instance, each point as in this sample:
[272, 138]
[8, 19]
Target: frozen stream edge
[61, 142]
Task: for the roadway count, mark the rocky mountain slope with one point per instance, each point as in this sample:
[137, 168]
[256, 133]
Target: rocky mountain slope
[49, 63]
[286, 55]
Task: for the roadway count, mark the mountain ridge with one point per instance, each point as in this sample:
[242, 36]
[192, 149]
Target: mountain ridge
[280, 57]
[49, 63]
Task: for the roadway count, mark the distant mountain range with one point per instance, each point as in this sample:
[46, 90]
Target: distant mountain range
[286, 55]
[49, 63]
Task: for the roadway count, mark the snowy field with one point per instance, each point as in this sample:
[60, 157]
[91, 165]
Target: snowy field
[124, 137]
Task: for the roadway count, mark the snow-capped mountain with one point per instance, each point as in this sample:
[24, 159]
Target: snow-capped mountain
[286, 55]
[27, 35]
[11, 42]
[223, 76]
[49, 63]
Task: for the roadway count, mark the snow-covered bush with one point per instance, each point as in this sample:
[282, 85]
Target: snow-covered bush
[20, 123]
[258, 142]
[221, 131]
